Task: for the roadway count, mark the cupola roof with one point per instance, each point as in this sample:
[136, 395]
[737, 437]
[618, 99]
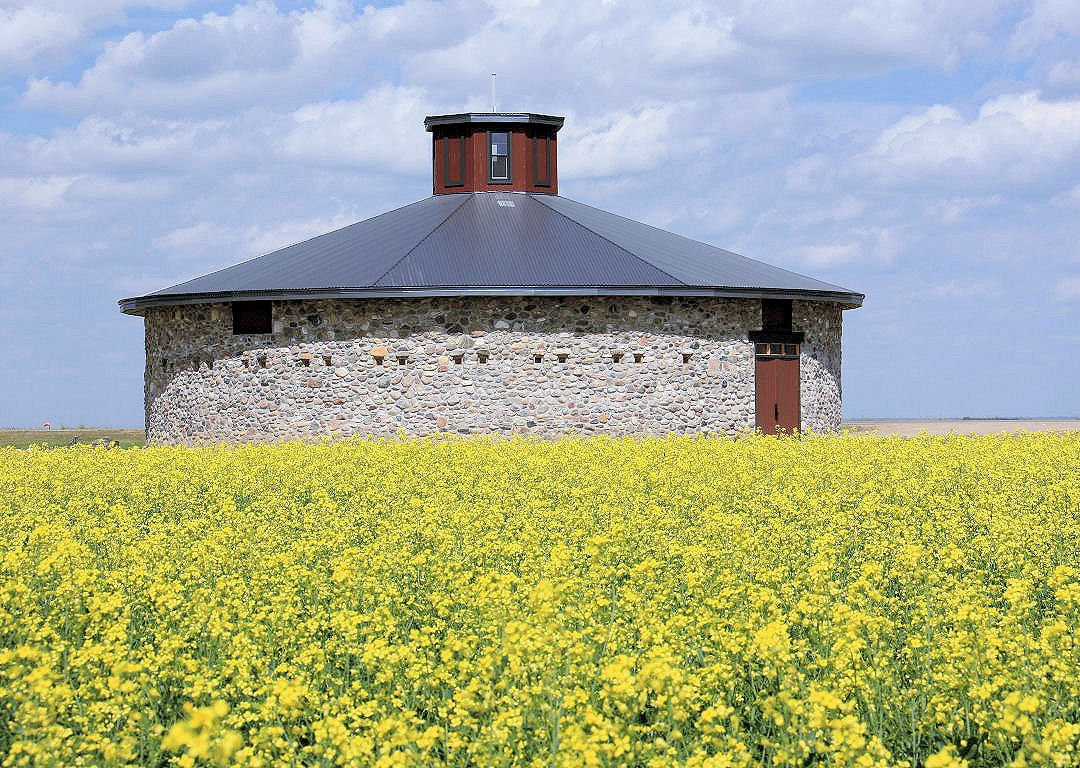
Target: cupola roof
[493, 118]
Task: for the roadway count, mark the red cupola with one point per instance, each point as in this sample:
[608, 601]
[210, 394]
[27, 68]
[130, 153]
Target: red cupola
[494, 151]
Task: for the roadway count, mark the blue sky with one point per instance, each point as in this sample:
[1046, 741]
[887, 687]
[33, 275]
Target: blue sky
[924, 153]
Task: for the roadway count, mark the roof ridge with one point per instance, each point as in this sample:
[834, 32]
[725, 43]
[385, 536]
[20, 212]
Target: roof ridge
[292, 245]
[742, 256]
[419, 242]
[606, 239]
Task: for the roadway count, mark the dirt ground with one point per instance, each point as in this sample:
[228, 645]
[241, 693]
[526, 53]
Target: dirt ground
[908, 428]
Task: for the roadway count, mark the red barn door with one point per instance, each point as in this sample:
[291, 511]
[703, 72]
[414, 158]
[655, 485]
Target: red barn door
[777, 384]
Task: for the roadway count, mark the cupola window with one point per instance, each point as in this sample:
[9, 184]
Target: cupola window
[499, 148]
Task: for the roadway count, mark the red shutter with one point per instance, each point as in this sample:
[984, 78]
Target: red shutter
[454, 161]
[541, 146]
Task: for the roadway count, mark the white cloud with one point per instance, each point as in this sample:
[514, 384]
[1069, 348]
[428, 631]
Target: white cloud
[836, 254]
[951, 210]
[1069, 198]
[259, 54]
[619, 142]
[32, 31]
[876, 245]
[672, 49]
[203, 235]
[61, 197]
[138, 284]
[698, 33]
[842, 209]
[28, 32]
[1064, 75]
[260, 240]
[133, 144]
[253, 38]
[807, 175]
[381, 131]
[254, 56]
[35, 193]
[208, 245]
[968, 288]
[214, 62]
[1015, 140]
[834, 35]
[1049, 20]
[1068, 288]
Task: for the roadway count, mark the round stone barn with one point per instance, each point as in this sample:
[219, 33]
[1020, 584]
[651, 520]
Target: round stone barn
[494, 306]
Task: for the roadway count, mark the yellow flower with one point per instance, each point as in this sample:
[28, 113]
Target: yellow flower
[945, 758]
[692, 601]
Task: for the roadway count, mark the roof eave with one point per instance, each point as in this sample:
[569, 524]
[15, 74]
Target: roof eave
[136, 305]
[493, 118]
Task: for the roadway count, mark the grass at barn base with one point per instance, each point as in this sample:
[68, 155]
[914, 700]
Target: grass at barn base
[842, 601]
[56, 438]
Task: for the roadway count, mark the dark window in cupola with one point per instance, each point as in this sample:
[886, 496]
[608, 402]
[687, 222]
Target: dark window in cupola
[499, 157]
[541, 149]
[252, 317]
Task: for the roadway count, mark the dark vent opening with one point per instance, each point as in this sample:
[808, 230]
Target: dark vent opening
[250, 317]
[776, 314]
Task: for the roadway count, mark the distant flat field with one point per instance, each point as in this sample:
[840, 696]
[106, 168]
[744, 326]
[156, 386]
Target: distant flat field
[21, 438]
[908, 428]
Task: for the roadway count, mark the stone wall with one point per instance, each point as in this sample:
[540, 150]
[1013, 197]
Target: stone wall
[819, 364]
[529, 365]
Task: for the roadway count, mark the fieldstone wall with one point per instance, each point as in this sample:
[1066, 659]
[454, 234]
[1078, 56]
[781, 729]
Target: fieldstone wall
[473, 365]
[819, 364]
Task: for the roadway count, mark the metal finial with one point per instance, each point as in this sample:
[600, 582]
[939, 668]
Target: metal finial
[493, 91]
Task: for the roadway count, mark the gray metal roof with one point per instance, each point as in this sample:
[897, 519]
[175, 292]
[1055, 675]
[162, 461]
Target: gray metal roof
[495, 243]
[493, 118]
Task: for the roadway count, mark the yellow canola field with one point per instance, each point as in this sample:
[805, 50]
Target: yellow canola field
[839, 601]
